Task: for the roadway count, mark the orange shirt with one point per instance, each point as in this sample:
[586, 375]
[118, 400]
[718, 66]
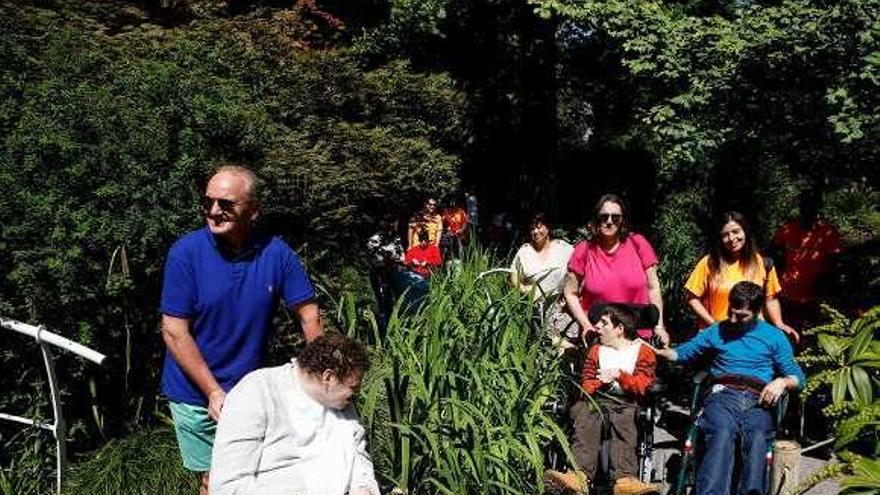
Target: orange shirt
[455, 220]
[713, 291]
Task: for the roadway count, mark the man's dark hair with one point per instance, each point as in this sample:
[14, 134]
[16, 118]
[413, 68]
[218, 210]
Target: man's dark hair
[621, 315]
[423, 236]
[335, 352]
[746, 295]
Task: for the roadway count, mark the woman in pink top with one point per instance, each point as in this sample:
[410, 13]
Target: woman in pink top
[613, 266]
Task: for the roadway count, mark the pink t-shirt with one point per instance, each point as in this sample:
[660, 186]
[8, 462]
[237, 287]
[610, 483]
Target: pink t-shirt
[613, 277]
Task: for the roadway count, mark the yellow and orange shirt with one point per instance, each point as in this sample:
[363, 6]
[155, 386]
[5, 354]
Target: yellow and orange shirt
[713, 291]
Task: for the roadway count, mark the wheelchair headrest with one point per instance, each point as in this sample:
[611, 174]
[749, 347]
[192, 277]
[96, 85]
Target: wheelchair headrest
[646, 315]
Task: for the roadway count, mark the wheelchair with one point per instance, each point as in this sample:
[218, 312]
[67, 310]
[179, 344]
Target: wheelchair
[647, 415]
[685, 482]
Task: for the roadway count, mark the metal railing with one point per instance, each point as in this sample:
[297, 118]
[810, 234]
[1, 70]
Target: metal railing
[58, 427]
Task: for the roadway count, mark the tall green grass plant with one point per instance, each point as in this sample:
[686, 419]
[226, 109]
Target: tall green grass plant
[454, 400]
[143, 463]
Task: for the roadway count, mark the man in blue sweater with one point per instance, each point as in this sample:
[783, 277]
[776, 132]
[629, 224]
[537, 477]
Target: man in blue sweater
[752, 366]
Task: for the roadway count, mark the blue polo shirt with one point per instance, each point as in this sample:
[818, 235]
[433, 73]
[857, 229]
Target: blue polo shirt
[761, 352]
[230, 300]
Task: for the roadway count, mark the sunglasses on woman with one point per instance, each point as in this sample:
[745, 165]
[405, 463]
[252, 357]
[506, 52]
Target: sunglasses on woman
[614, 218]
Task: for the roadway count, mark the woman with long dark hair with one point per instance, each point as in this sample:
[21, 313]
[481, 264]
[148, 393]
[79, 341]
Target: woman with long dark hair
[733, 257]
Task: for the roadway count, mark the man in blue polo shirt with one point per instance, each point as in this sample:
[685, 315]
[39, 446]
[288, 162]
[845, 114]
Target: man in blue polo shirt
[752, 366]
[222, 286]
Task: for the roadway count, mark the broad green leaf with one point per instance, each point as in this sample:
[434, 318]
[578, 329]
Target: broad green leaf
[834, 346]
[862, 383]
[860, 343]
[838, 389]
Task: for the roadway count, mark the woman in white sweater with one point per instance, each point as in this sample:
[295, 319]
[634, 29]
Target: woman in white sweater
[292, 429]
[539, 269]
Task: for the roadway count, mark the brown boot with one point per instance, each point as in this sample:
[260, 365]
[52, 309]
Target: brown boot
[629, 485]
[567, 482]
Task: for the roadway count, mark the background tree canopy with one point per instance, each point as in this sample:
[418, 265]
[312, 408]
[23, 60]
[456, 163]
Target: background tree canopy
[113, 112]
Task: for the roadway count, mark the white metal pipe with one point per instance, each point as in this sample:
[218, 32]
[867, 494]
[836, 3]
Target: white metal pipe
[54, 339]
[27, 421]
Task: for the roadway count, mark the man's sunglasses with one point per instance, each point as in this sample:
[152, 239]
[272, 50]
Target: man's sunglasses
[615, 218]
[226, 205]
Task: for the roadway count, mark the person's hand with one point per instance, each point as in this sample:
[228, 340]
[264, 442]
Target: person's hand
[215, 403]
[662, 334]
[668, 353]
[586, 327]
[772, 392]
[791, 332]
[608, 375]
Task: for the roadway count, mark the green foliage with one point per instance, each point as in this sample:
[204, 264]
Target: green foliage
[846, 362]
[706, 82]
[413, 25]
[847, 358]
[866, 420]
[856, 210]
[143, 463]
[865, 478]
[108, 136]
[453, 401]
[28, 457]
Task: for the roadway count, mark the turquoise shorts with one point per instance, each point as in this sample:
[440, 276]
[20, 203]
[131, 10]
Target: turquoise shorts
[195, 435]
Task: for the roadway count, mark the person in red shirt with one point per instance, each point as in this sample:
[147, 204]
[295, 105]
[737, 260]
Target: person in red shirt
[455, 222]
[808, 245]
[424, 257]
[618, 373]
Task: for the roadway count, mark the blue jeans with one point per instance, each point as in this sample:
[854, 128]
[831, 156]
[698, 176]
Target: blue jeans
[732, 417]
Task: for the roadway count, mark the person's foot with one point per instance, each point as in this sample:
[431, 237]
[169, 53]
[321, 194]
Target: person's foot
[629, 485]
[567, 482]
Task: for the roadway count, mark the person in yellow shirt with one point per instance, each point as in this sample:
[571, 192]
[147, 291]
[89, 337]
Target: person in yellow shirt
[733, 257]
[426, 219]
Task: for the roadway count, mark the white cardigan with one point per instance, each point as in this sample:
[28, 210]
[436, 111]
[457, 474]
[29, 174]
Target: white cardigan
[273, 439]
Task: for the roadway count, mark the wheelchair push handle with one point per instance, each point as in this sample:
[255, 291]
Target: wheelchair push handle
[646, 315]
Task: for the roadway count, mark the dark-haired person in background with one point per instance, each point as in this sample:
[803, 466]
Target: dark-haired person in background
[293, 428]
[808, 245]
[221, 289]
[752, 366]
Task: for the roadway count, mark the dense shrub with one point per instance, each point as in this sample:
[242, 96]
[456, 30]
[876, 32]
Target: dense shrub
[108, 137]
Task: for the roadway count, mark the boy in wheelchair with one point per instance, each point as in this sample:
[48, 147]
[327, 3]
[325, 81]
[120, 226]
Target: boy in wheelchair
[618, 373]
[752, 366]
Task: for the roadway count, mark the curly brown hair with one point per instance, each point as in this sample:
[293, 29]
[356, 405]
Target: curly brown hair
[344, 357]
